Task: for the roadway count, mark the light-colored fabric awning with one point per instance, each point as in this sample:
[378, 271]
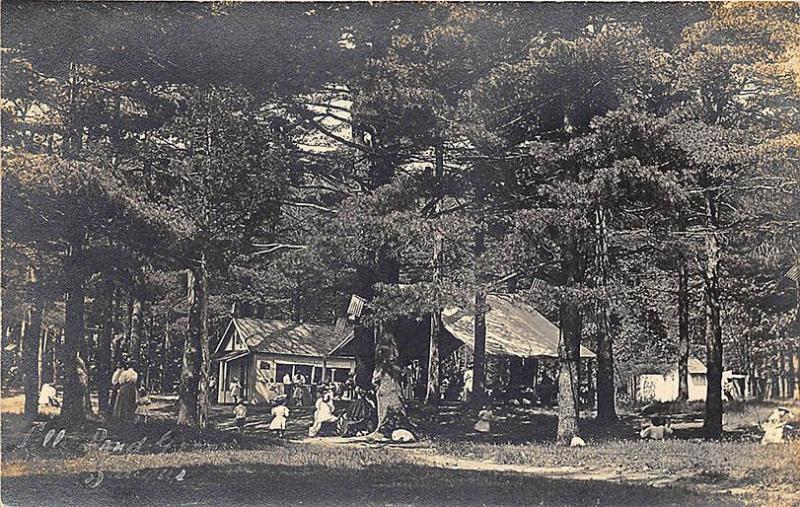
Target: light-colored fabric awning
[512, 329]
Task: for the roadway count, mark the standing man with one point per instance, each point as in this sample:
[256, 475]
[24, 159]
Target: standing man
[287, 388]
[466, 391]
[235, 390]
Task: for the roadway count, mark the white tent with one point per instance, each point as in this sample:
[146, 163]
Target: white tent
[512, 329]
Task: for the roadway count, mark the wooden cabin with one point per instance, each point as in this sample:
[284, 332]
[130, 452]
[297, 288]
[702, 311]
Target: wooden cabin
[258, 353]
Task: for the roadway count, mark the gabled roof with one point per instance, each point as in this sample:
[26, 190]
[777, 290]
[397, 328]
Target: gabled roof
[282, 337]
[696, 366]
[512, 329]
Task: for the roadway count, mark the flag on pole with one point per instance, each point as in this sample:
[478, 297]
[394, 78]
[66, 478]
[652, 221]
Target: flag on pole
[794, 273]
[356, 306]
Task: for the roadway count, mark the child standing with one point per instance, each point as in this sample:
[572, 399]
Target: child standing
[142, 406]
[280, 413]
[240, 415]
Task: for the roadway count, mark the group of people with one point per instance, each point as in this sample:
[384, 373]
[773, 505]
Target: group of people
[359, 413]
[128, 403]
[296, 390]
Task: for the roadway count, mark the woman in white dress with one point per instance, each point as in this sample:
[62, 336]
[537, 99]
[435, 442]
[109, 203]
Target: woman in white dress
[323, 414]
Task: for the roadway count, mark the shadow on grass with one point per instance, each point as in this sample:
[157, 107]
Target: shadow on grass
[517, 425]
[385, 484]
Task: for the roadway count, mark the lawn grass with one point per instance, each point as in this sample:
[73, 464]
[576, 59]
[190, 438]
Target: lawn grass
[255, 467]
[340, 477]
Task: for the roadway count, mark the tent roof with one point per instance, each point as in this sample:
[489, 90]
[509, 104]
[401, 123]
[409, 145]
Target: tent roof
[512, 329]
[281, 337]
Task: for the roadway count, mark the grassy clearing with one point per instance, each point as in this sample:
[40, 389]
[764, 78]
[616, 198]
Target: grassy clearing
[221, 466]
[298, 475]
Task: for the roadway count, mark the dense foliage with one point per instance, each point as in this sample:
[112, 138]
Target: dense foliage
[630, 170]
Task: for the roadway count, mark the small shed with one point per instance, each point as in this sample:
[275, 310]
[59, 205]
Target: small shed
[664, 387]
[258, 353]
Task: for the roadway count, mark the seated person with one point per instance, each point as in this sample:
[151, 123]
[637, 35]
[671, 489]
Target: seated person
[361, 408]
[775, 425]
[323, 413]
[240, 415]
[658, 430]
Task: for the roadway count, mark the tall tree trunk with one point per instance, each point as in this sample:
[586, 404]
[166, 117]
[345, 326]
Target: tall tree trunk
[126, 346]
[796, 372]
[23, 329]
[193, 396]
[30, 350]
[165, 357]
[568, 355]
[135, 343]
[796, 351]
[44, 350]
[387, 372]
[151, 349]
[683, 331]
[713, 410]
[478, 395]
[606, 391]
[121, 328]
[432, 393]
[386, 379]
[58, 345]
[784, 374]
[86, 352]
[104, 367]
[569, 344]
[76, 379]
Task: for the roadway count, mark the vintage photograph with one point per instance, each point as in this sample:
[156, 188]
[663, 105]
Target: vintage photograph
[400, 253]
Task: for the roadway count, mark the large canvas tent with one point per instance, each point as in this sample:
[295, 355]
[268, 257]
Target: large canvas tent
[512, 329]
[519, 340]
